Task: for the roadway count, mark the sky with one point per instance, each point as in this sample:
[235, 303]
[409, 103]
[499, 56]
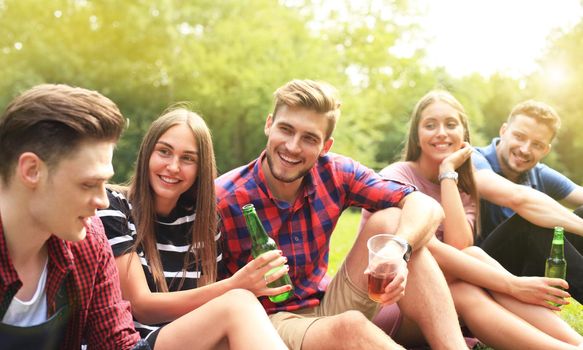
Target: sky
[488, 36]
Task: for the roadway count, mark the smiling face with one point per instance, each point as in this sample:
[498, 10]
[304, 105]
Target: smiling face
[173, 166]
[295, 140]
[523, 143]
[440, 131]
[69, 193]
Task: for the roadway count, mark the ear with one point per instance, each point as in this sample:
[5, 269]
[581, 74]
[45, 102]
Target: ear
[503, 129]
[327, 145]
[548, 150]
[29, 169]
[268, 123]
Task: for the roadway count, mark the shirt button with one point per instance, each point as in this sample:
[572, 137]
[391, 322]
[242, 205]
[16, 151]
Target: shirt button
[296, 238]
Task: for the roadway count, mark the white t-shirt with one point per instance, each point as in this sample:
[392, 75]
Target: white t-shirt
[29, 313]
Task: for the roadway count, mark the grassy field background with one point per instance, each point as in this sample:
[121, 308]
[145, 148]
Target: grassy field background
[345, 234]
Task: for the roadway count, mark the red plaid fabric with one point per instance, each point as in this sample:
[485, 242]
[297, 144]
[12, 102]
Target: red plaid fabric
[301, 229]
[98, 314]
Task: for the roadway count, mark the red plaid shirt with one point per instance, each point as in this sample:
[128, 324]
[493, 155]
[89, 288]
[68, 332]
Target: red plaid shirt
[301, 229]
[98, 314]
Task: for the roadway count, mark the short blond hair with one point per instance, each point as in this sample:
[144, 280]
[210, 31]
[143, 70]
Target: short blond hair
[540, 111]
[313, 95]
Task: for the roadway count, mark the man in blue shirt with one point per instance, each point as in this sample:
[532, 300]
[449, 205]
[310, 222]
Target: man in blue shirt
[511, 180]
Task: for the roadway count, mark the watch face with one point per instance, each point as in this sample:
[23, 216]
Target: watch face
[407, 246]
[407, 255]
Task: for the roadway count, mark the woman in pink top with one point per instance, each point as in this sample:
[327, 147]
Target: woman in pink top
[502, 310]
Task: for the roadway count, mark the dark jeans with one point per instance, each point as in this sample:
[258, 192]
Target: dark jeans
[522, 248]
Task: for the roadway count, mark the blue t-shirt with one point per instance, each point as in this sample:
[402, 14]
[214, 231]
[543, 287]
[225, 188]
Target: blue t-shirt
[541, 178]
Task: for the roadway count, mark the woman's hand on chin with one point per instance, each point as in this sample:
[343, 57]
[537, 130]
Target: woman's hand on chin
[456, 159]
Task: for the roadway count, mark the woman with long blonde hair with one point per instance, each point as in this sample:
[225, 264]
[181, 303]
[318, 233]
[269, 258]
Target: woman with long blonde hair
[163, 231]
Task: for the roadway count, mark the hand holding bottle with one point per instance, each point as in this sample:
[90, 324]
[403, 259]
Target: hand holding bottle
[254, 276]
[556, 265]
[260, 244]
[540, 291]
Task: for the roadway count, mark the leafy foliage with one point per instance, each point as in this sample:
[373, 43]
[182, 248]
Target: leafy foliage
[225, 58]
[558, 82]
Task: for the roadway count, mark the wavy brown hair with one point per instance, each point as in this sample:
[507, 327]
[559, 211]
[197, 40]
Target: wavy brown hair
[412, 150]
[201, 197]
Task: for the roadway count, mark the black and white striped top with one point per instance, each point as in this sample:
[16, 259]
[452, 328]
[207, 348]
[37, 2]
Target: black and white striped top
[173, 235]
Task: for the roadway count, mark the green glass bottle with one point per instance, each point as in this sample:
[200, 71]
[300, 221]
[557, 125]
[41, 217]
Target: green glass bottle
[262, 243]
[556, 265]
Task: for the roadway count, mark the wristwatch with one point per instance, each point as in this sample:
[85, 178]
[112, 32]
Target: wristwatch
[448, 175]
[408, 249]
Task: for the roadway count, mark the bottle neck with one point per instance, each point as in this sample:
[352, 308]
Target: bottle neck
[558, 249]
[255, 228]
[558, 245]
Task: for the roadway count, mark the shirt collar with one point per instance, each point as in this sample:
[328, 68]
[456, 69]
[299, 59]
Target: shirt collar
[8, 274]
[60, 253]
[58, 250]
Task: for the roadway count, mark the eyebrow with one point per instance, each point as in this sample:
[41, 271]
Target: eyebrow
[447, 117]
[307, 133]
[316, 136]
[170, 146]
[97, 178]
[535, 140]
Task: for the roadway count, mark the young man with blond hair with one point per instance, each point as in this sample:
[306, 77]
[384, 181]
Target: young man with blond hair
[299, 190]
[520, 196]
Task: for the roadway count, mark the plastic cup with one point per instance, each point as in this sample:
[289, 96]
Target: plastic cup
[385, 258]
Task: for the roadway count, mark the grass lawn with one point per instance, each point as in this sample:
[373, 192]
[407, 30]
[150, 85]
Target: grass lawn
[344, 236]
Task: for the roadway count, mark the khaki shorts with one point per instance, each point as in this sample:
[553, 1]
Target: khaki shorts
[341, 295]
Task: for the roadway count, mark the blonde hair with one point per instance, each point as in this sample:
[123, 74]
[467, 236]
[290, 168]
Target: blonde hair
[312, 95]
[539, 111]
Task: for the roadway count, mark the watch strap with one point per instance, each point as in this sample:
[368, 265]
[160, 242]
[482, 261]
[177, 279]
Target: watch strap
[408, 248]
[448, 175]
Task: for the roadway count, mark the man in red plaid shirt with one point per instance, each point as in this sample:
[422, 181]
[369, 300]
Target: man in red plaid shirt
[59, 285]
[299, 190]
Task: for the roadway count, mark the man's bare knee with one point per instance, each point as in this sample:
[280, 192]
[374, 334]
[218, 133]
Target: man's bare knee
[348, 330]
[347, 323]
[383, 221]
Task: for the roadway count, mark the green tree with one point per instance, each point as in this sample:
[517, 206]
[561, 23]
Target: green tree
[110, 46]
[382, 83]
[558, 83]
[224, 58]
[241, 56]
